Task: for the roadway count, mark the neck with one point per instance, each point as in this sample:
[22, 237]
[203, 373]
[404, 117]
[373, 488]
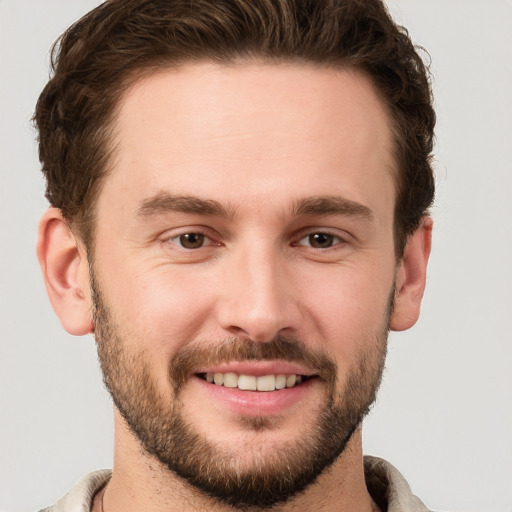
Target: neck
[140, 482]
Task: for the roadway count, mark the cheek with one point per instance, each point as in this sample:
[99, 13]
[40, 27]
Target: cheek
[156, 309]
[349, 307]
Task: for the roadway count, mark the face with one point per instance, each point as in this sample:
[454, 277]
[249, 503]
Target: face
[243, 271]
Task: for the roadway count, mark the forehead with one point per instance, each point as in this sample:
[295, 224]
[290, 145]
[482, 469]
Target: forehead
[258, 128]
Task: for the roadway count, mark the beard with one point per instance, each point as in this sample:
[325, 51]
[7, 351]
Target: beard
[271, 477]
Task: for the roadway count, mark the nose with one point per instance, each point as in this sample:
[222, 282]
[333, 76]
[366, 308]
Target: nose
[258, 296]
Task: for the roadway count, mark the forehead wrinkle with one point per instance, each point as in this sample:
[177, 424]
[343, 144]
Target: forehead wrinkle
[165, 202]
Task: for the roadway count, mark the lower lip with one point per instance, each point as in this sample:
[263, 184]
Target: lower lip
[257, 403]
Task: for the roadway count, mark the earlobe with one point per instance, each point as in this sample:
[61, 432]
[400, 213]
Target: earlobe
[411, 277]
[65, 273]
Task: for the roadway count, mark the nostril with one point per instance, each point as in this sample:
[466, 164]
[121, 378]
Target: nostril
[259, 316]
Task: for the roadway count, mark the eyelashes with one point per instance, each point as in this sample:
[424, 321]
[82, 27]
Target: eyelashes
[320, 240]
[196, 239]
[193, 240]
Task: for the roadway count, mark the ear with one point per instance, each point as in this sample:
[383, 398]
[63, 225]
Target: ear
[411, 277]
[65, 272]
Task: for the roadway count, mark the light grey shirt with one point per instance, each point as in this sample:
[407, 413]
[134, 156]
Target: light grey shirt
[386, 485]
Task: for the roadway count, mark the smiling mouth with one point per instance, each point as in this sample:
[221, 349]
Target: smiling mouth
[245, 382]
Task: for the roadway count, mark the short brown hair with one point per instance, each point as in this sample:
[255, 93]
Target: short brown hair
[99, 56]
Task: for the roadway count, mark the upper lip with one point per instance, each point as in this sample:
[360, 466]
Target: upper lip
[258, 368]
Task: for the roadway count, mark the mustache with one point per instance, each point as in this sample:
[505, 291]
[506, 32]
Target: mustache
[283, 348]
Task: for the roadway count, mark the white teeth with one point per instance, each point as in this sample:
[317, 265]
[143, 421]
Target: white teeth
[291, 380]
[230, 380]
[252, 383]
[280, 381]
[247, 382]
[266, 383]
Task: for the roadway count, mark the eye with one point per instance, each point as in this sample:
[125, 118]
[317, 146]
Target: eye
[320, 240]
[191, 240]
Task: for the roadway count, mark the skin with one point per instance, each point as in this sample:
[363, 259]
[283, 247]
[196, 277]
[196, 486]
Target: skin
[258, 139]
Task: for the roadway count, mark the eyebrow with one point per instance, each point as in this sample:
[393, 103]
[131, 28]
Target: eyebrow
[164, 202]
[331, 205]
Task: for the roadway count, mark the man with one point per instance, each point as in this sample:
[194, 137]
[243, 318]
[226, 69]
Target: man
[239, 212]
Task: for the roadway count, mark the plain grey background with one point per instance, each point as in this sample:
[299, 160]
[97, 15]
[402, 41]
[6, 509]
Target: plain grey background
[444, 413]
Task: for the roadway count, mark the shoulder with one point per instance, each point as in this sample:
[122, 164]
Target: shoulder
[79, 498]
[388, 487]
